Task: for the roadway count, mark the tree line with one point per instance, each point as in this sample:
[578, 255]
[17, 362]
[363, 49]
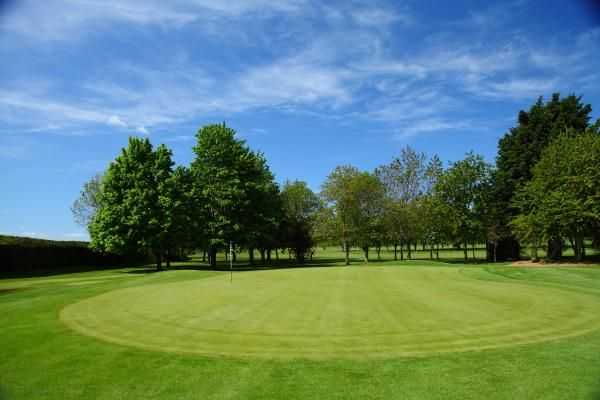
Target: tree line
[544, 189]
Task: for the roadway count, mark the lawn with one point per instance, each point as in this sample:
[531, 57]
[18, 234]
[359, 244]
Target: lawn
[410, 330]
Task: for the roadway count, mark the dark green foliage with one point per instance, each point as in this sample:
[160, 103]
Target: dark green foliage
[461, 188]
[520, 149]
[21, 256]
[300, 207]
[563, 197]
[234, 192]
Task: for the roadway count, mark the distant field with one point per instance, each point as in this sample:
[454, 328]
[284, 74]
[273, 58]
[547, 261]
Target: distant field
[411, 330]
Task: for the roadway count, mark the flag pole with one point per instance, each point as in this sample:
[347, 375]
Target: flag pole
[230, 261]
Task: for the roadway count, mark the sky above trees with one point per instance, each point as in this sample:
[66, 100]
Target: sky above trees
[311, 85]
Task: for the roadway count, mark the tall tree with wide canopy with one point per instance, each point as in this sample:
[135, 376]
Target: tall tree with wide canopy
[520, 149]
[563, 197]
[233, 189]
[133, 216]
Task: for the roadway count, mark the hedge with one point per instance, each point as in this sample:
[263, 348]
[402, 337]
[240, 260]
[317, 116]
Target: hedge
[25, 256]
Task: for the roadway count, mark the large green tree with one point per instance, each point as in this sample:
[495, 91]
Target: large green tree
[233, 190]
[134, 216]
[563, 197]
[520, 149]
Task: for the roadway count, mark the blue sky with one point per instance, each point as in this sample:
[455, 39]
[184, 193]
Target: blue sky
[311, 84]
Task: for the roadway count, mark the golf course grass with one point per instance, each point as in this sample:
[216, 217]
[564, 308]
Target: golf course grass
[335, 312]
[412, 330]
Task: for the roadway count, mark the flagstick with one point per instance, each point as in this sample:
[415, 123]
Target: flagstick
[230, 262]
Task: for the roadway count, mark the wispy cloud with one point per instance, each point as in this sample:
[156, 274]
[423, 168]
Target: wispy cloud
[71, 18]
[346, 69]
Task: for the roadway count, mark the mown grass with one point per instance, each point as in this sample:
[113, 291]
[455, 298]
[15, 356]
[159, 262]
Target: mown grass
[40, 357]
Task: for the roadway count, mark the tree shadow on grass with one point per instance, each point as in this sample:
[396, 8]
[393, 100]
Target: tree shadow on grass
[242, 266]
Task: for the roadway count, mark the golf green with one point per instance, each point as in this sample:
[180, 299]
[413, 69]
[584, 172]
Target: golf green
[341, 312]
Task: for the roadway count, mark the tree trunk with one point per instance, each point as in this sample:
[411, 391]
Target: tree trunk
[204, 255]
[366, 253]
[437, 251]
[234, 255]
[495, 250]
[158, 256]
[395, 252]
[251, 255]
[466, 249]
[401, 252]
[168, 259]
[347, 253]
[555, 245]
[473, 250]
[579, 248]
[269, 256]
[409, 252]
[431, 252]
[277, 254]
[262, 256]
[379, 253]
[213, 257]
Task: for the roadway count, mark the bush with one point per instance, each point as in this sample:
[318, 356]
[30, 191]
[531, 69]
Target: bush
[22, 256]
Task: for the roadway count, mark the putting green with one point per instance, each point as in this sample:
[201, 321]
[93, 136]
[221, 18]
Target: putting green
[356, 312]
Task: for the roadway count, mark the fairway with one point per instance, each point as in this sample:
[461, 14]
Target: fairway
[336, 312]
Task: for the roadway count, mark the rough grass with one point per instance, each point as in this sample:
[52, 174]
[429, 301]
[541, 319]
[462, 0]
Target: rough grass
[41, 357]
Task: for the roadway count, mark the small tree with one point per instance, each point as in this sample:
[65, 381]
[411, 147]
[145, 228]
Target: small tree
[338, 195]
[461, 189]
[300, 206]
[88, 203]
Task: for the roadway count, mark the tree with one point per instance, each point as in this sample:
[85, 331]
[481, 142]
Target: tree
[357, 202]
[520, 149]
[88, 203]
[461, 189]
[133, 217]
[300, 206]
[405, 180]
[180, 222]
[366, 211]
[563, 197]
[337, 194]
[233, 190]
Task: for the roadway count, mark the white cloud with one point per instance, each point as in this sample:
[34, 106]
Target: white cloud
[116, 121]
[429, 125]
[514, 88]
[142, 130]
[377, 17]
